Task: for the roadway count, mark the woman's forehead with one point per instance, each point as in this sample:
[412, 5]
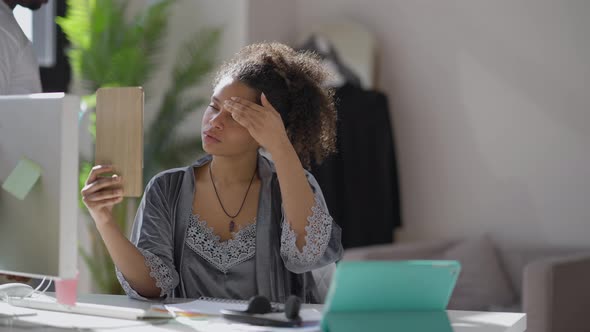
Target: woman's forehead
[230, 87]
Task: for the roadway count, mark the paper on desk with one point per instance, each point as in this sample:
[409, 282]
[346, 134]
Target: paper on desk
[22, 179]
[200, 308]
[218, 324]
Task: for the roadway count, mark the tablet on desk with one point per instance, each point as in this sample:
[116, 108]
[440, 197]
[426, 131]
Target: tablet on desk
[385, 295]
[419, 285]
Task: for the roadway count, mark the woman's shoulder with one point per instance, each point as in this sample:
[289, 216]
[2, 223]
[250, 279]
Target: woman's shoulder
[170, 174]
[169, 180]
[178, 174]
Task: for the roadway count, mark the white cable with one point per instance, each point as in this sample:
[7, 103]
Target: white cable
[36, 290]
[48, 284]
[40, 293]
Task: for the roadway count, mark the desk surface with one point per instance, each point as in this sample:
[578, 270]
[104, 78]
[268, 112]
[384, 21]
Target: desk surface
[461, 321]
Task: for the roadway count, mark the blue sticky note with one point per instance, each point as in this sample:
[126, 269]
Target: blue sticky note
[22, 179]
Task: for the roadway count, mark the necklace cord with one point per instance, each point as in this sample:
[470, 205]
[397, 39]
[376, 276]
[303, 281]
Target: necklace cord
[219, 199]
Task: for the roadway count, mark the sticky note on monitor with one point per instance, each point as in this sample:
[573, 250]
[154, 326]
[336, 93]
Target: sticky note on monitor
[22, 179]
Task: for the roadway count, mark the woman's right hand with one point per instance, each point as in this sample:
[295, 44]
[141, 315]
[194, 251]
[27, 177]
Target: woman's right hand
[100, 194]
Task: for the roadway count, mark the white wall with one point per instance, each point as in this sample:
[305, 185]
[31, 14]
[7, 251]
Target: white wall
[270, 20]
[490, 103]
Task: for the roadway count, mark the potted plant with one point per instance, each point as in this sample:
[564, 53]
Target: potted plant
[106, 49]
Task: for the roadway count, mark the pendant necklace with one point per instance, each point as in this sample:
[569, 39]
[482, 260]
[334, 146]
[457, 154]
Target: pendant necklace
[232, 223]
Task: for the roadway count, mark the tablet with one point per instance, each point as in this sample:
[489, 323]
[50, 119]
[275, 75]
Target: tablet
[119, 135]
[380, 286]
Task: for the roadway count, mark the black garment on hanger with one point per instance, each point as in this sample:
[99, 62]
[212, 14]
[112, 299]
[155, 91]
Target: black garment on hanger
[360, 181]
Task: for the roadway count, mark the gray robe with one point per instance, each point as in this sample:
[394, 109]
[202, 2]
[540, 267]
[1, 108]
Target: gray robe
[160, 232]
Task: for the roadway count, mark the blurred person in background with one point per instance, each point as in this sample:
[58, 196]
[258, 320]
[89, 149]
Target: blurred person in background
[19, 70]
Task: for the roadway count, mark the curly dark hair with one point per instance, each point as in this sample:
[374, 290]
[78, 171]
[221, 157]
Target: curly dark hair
[292, 83]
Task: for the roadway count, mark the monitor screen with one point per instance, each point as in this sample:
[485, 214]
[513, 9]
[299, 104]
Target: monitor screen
[39, 185]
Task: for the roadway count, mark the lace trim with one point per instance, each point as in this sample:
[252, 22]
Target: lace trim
[126, 287]
[317, 237]
[223, 255]
[159, 271]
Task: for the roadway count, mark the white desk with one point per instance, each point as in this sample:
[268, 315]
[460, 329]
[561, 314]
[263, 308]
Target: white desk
[461, 321]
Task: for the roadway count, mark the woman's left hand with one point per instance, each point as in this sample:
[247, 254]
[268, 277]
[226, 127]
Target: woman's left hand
[263, 122]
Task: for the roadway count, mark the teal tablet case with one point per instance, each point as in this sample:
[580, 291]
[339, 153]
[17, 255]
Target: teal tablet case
[402, 321]
[413, 294]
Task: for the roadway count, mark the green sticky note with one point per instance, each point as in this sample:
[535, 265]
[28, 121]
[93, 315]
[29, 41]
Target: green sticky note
[22, 179]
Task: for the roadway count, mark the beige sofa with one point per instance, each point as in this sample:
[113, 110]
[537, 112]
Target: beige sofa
[551, 285]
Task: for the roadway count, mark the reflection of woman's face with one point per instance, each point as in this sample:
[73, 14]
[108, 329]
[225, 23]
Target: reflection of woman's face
[221, 134]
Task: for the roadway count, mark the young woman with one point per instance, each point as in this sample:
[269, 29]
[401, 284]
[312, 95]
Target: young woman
[236, 224]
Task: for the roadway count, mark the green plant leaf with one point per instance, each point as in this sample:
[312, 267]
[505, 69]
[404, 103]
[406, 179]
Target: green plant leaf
[85, 168]
[75, 23]
[90, 100]
[94, 268]
[180, 151]
[196, 58]
[154, 26]
[92, 125]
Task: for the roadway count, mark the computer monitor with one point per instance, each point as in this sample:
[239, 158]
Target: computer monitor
[38, 233]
